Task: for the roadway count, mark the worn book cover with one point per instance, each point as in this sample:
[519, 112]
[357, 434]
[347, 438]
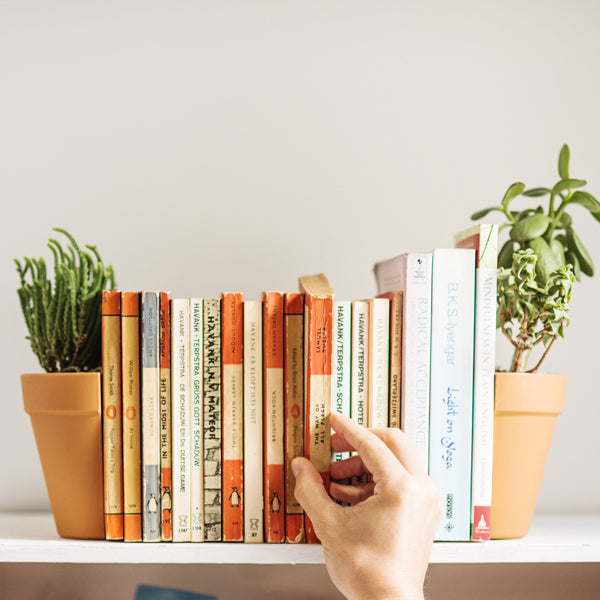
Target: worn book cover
[165, 418]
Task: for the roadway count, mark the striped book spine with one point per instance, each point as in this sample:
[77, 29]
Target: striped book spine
[274, 423]
[132, 483]
[213, 520]
[253, 423]
[294, 409]
[165, 418]
[197, 416]
[319, 299]
[180, 381]
[150, 409]
[112, 416]
[232, 345]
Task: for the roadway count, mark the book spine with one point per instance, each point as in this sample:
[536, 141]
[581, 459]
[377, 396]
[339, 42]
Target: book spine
[452, 388]
[379, 342]
[197, 420]
[294, 409]
[416, 353]
[112, 416]
[213, 518]
[232, 344]
[181, 418]
[132, 484]
[273, 410]
[360, 364]
[165, 418]
[484, 240]
[318, 349]
[395, 363]
[150, 417]
[342, 363]
[253, 423]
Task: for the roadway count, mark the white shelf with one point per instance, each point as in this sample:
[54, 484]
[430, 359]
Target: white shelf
[32, 538]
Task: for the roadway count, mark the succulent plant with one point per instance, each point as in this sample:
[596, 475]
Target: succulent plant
[63, 315]
[539, 262]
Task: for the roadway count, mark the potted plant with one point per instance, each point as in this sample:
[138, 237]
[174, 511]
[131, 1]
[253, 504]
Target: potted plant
[63, 318]
[538, 264]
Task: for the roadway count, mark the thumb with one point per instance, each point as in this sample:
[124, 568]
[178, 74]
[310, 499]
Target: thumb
[311, 494]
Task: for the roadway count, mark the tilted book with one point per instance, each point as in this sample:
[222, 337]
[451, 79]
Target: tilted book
[150, 407]
[379, 344]
[111, 411]
[294, 409]
[452, 332]
[232, 353]
[319, 298]
[197, 420]
[253, 423]
[130, 361]
[165, 418]
[181, 419]
[484, 240]
[410, 273]
[395, 364]
[273, 410]
[213, 521]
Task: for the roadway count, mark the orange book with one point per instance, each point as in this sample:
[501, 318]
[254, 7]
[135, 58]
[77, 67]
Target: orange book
[294, 410]
[273, 410]
[319, 299]
[111, 411]
[232, 381]
[130, 361]
[395, 366]
[165, 417]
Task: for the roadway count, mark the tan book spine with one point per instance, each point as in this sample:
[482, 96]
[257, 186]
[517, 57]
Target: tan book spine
[112, 405]
[132, 482]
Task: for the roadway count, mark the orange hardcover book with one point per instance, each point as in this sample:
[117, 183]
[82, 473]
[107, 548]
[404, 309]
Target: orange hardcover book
[274, 423]
[165, 417]
[232, 381]
[319, 299]
[130, 361]
[111, 411]
[395, 365]
[294, 410]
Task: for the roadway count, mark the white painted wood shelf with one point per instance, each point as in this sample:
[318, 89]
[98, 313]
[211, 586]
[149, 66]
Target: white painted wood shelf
[32, 538]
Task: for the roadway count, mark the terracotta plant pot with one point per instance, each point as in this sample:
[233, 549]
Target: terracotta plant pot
[526, 408]
[66, 416]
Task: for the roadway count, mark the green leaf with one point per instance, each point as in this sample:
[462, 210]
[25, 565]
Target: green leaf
[572, 260]
[563, 162]
[576, 246]
[558, 250]
[546, 260]
[482, 213]
[512, 192]
[586, 200]
[565, 220]
[529, 228]
[567, 184]
[536, 192]
[505, 256]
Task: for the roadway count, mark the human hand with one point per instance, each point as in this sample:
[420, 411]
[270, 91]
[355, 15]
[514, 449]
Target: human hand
[378, 547]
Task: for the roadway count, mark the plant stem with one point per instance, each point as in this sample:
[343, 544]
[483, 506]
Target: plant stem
[534, 370]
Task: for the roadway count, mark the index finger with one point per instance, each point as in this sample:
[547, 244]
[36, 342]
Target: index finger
[375, 454]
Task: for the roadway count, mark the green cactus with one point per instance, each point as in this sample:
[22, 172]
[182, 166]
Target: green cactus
[63, 316]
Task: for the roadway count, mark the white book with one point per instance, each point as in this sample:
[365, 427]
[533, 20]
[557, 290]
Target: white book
[359, 376]
[484, 240]
[410, 273]
[342, 362]
[181, 405]
[253, 423]
[150, 410]
[452, 333]
[379, 357]
[197, 422]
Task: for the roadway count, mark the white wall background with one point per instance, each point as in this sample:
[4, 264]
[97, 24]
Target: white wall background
[210, 146]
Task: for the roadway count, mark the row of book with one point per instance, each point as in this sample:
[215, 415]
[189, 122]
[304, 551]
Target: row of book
[207, 400]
